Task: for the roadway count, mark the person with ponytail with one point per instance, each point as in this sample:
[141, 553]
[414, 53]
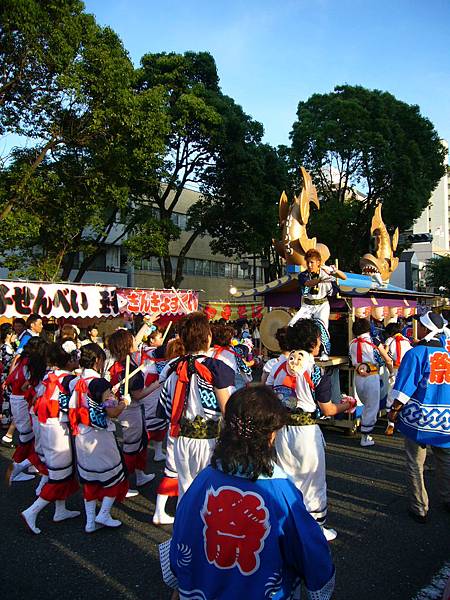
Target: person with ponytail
[100, 465]
[50, 416]
[242, 529]
[22, 381]
[121, 344]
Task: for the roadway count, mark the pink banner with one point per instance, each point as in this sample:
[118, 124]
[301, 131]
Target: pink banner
[164, 302]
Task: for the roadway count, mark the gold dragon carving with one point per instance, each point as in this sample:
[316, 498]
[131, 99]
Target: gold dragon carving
[293, 221]
[382, 263]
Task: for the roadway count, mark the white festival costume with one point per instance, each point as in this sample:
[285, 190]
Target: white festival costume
[301, 448]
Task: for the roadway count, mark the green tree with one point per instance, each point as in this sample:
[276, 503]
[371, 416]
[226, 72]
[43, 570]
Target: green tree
[240, 208]
[363, 147]
[437, 274]
[205, 130]
[66, 194]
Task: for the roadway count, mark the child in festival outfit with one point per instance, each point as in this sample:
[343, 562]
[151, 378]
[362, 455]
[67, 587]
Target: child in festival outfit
[396, 345]
[300, 445]
[153, 357]
[51, 410]
[22, 380]
[367, 359]
[135, 439]
[280, 336]
[242, 530]
[193, 397]
[100, 465]
[232, 355]
[315, 285]
[168, 486]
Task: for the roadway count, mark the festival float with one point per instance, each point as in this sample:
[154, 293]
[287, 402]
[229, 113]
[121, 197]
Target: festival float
[367, 294]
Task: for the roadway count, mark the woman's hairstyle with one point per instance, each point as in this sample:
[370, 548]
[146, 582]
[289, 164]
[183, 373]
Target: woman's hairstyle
[174, 348]
[36, 350]
[120, 344]
[5, 330]
[244, 447]
[302, 336]
[92, 327]
[221, 334]
[194, 332]
[313, 254]
[280, 336]
[393, 328]
[90, 353]
[68, 331]
[361, 326]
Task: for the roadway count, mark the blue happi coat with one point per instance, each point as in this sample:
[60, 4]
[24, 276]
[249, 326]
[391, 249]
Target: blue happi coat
[423, 386]
[237, 538]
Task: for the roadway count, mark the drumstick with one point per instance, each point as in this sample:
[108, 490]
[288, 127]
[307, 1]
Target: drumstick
[181, 301]
[166, 331]
[127, 374]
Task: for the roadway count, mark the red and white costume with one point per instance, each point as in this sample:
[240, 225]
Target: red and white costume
[397, 346]
[132, 421]
[300, 445]
[231, 358]
[100, 465]
[51, 412]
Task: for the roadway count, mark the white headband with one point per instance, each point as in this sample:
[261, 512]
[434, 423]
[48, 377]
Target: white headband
[428, 323]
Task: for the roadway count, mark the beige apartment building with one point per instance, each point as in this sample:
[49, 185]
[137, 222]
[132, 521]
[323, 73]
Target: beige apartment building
[211, 274]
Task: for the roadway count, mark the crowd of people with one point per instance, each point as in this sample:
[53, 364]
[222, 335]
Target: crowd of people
[246, 460]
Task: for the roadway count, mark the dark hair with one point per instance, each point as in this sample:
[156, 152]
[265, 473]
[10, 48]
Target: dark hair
[221, 334]
[194, 331]
[303, 335]
[90, 353]
[280, 336]
[154, 333]
[19, 320]
[57, 356]
[313, 253]
[120, 344]
[393, 328]
[91, 327]
[251, 415]
[35, 350]
[361, 326]
[5, 330]
[32, 319]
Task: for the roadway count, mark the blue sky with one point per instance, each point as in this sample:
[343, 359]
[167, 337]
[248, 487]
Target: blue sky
[272, 54]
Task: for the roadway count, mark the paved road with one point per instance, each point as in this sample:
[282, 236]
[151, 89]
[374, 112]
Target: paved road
[380, 554]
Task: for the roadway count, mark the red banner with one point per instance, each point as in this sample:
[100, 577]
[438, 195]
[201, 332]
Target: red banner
[232, 311]
[164, 302]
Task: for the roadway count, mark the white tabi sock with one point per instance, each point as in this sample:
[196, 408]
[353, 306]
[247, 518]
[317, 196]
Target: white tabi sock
[159, 454]
[142, 478]
[15, 472]
[160, 516]
[43, 481]
[104, 516]
[62, 513]
[30, 514]
[90, 506]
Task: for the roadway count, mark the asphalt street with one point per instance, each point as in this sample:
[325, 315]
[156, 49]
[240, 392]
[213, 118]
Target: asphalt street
[380, 553]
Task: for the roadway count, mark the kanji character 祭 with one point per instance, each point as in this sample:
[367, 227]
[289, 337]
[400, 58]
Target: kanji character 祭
[440, 368]
[236, 525]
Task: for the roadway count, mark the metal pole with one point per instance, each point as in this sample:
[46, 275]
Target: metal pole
[254, 275]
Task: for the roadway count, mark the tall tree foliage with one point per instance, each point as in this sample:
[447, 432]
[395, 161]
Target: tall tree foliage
[206, 130]
[437, 273]
[364, 147]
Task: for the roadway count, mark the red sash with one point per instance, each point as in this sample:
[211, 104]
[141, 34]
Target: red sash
[47, 407]
[399, 338]
[16, 379]
[359, 342]
[289, 380]
[181, 387]
[80, 412]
